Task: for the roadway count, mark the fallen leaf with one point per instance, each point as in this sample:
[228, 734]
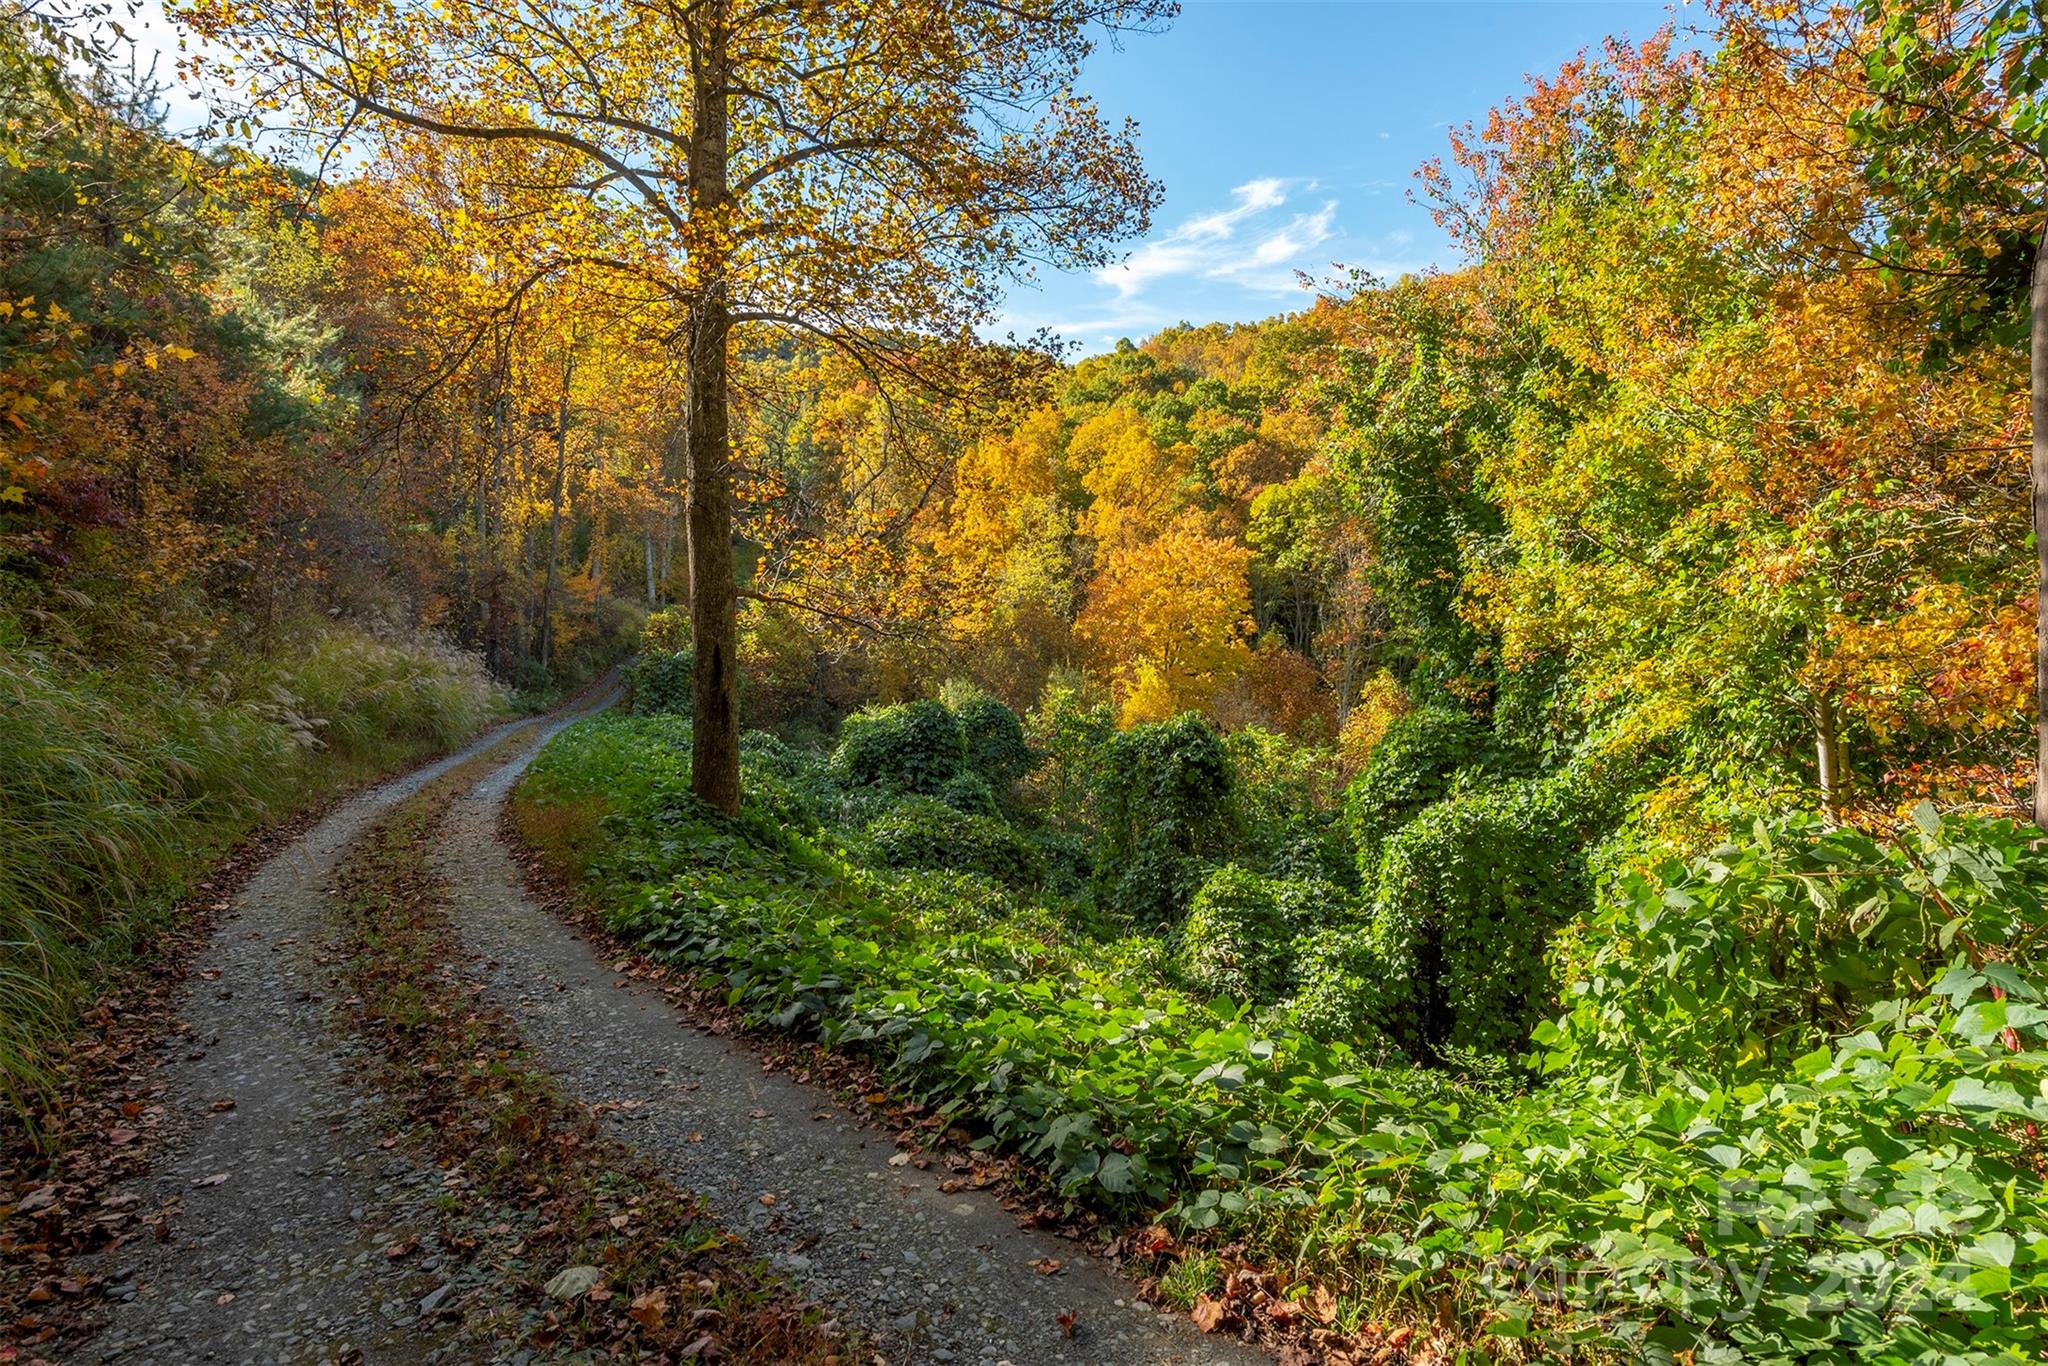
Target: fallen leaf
[757, 1114]
[120, 1136]
[767, 1199]
[1207, 1314]
[1067, 1320]
[650, 1310]
[216, 1179]
[572, 1282]
[225, 1297]
[1046, 1266]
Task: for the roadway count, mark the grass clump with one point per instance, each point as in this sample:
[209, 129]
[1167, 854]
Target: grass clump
[118, 784]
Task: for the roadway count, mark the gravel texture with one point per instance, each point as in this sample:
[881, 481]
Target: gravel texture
[285, 1197]
[935, 1277]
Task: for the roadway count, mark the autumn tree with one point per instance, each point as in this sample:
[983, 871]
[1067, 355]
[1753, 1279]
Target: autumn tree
[856, 172]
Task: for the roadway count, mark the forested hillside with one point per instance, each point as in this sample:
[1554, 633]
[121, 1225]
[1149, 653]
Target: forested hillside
[1491, 813]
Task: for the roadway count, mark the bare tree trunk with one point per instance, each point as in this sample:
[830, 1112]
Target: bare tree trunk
[714, 601]
[647, 549]
[1827, 745]
[547, 591]
[2039, 343]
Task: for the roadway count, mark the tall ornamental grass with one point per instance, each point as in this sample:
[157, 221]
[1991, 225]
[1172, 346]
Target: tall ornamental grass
[116, 786]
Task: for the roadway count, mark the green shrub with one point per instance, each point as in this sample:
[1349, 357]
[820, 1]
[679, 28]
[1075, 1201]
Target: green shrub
[908, 748]
[1165, 811]
[970, 793]
[1068, 732]
[1344, 992]
[661, 682]
[1468, 895]
[925, 833]
[666, 631]
[1411, 767]
[996, 749]
[1238, 938]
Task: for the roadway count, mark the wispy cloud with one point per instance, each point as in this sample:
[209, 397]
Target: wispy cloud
[1252, 244]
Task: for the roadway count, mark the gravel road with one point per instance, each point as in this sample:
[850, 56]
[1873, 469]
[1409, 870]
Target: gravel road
[939, 1277]
[285, 1198]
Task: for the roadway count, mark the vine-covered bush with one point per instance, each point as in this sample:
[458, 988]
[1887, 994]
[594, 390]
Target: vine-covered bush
[1345, 992]
[1468, 895]
[1411, 767]
[1288, 806]
[914, 747]
[658, 683]
[1165, 809]
[995, 742]
[1239, 936]
[970, 792]
[925, 833]
[1069, 730]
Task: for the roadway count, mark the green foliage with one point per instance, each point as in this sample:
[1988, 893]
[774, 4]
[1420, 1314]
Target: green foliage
[1741, 961]
[1239, 934]
[660, 681]
[1164, 806]
[970, 793]
[1411, 767]
[926, 833]
[1346, 990]
[1468, 895]
[1287, 806]
[666, 632]
[1875, 1198]
[914, 747]
[996, 749]
[1069, 731]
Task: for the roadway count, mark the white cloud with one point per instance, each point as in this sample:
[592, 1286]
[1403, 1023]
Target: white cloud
[1245, 244]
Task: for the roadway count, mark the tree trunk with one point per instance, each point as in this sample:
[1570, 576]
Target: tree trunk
[2039, 343]
[714, 601]
[647, 550]
[547, 590]
[1827, 745]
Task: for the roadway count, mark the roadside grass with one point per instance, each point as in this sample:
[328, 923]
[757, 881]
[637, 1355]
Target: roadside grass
[120, 787]
[542, 1186]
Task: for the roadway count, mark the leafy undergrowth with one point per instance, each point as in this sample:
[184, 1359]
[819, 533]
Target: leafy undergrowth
[1875, 1196]
[536, 1190]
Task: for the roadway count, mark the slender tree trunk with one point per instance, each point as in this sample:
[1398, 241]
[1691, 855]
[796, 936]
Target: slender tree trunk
[714, 601]
[1827, 745]
[547, 590]
[2039, 343]
[647, 549]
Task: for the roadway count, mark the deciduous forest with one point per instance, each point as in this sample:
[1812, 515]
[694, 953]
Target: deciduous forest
[1491, 815]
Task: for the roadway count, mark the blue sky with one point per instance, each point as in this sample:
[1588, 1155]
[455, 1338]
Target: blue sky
[1287, 133]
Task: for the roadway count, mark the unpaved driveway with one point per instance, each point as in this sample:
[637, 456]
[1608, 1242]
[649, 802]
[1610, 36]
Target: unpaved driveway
[282, 1188]
[288, 1195]
[940, 1277]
